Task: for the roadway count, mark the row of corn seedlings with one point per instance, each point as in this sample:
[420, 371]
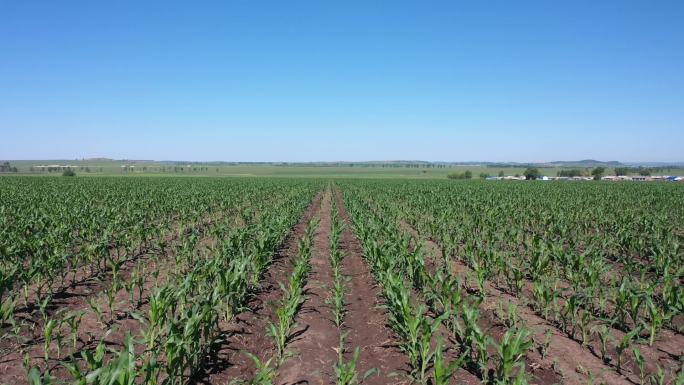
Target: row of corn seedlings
[281, 328]
[345, 369]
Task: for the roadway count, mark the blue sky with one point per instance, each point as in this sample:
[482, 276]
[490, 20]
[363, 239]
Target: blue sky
[321, 80]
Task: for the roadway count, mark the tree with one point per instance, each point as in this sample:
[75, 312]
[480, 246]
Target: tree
[597, 173]
[531, 173]
[68, 172]
[460, 175]
[619, 171]
[484, 175]
[501, 173]
[570, 173]
[6, 167]
[645, 172]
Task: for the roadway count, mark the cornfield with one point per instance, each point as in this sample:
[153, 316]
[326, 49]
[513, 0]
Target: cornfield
[271, 281]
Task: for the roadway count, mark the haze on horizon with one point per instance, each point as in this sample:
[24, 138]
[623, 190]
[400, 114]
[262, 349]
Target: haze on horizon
[529, 81]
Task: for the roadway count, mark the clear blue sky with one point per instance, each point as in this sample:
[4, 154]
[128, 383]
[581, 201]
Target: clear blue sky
[322, 80]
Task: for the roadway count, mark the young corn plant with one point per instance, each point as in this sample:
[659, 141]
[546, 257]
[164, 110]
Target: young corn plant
[264, 374]
[641, 364]
[583, 324]
[73, 320]
[36, 378]
[513, 346]
[337, 299]
[656, 318]
[604, 337]
[48, 334]
[345, 371]
[624, 344]
[7, 311]
[442, 372]
[121, 370]
[545, 344]
[476, 341]
[280, 330]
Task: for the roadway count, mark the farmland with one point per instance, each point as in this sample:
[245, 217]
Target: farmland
[201, 280]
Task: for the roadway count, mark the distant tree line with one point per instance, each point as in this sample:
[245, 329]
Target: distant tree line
[644, 171]
[571, 173]
[516, 165]
[6, 167]
[461, 175]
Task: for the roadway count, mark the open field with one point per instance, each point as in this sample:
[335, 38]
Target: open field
[205, 280]
[149, 168]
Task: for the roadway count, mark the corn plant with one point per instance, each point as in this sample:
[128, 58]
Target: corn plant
[657, 318]
[345, 371]
[641, 363]
[476, 341]
[513, 346]
[545, 344]
[122, 370]
[264, 374]
[441, 370]
[35, 377]
[605, 337]
[624, 343]
[48, 334]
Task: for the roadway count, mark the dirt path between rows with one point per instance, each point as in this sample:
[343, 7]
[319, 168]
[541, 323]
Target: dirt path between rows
[247, 333]
[317, 336]
[365, 320]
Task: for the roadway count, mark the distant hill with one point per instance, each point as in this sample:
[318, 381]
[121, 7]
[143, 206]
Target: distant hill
[584, 163]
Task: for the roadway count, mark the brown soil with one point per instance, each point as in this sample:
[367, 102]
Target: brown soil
[247, 333]
[365, 320]
[317, 336]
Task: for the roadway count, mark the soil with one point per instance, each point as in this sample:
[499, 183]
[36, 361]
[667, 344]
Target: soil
[365, 320]
[317, 337]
